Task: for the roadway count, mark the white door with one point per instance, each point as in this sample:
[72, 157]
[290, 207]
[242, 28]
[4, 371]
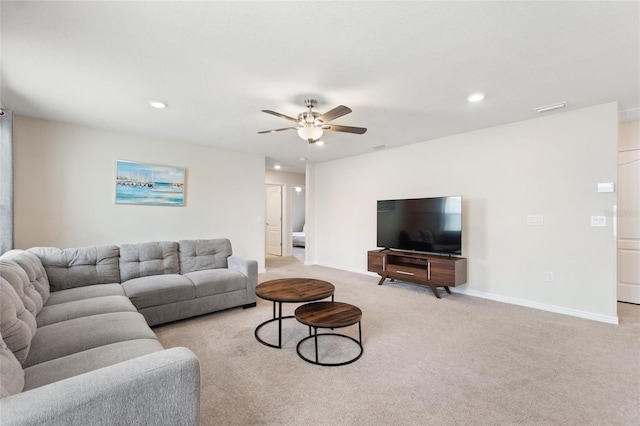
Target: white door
[274, 220]
[629, 225]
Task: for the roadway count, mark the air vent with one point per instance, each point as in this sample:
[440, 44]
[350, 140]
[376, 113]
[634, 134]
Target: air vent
[550, 107]
[378, 147]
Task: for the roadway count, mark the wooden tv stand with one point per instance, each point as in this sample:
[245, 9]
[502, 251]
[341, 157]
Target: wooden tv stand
[429, 270]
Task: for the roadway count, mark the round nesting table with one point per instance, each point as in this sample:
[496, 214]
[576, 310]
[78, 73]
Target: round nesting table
[290, 290]
[329, 315]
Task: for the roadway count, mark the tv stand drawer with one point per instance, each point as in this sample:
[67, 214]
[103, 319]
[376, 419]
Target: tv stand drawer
[409, 273]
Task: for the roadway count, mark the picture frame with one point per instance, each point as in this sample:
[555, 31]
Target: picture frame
[149, 184]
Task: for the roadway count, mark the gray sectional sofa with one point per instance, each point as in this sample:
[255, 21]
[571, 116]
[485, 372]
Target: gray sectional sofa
[77, 347]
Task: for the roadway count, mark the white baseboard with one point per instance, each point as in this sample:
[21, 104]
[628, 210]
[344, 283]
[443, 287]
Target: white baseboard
[342, 268]
[542, 306]
[506, 299]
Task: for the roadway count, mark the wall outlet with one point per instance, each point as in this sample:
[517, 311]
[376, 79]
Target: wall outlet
[548, 276]
[599, 221]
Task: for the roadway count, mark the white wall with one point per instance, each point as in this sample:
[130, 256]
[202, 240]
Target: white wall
[64, 190]
[546, 166]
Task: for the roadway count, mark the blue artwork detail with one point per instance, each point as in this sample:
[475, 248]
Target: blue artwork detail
[139, 183]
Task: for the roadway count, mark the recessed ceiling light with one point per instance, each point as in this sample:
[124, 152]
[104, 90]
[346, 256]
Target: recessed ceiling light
[158, 104]
[319, 143]
[476, 97]
[303, 158]
[277, 167]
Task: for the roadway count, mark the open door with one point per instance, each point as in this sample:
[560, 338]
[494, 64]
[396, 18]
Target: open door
[629, 225]
[273, 225]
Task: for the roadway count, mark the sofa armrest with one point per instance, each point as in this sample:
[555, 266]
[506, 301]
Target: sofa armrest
[246, 267]
[162, 388]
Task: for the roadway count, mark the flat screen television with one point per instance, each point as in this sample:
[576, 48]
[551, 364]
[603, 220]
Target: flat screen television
[429, 225]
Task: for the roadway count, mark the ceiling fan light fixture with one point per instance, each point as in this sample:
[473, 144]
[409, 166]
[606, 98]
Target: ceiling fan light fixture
[310, 132]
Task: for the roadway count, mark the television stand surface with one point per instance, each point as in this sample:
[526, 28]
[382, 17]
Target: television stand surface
[427, 270]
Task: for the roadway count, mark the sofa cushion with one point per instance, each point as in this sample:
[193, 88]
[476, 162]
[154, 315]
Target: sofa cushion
[142, 260]
[87, 292]
[217, 281]
[158, 290]
[32, 265]
[77, 267]
[198, 255]
[85, 361]
[17, 325]
[11, 373]
[51, 314]
[79, 334]
[19, 280]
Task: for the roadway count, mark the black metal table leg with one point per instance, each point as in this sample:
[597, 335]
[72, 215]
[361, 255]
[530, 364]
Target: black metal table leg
[316, 342]
[279, 325]
[277, 316]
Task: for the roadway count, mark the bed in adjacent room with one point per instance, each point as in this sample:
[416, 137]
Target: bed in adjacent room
[299, 237]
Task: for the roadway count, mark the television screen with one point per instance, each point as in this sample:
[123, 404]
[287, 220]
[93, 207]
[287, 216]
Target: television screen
[430, 225]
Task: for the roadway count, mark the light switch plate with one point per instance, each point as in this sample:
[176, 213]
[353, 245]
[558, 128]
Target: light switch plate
[606, 187]
[535, 220]
[599, 221]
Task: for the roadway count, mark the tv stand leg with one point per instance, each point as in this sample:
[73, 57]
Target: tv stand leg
[435, 291]
[382, 280]
[447, 288]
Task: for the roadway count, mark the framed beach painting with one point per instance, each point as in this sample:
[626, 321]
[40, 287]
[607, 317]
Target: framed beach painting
[141, 183]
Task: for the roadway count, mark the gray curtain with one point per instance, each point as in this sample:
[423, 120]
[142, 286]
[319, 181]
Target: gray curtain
[6, 180]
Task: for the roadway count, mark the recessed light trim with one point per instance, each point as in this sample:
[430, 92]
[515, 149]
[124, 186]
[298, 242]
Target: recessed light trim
[476, 97]
[158, 104]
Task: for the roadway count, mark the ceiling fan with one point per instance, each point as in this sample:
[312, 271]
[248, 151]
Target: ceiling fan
[311, 125]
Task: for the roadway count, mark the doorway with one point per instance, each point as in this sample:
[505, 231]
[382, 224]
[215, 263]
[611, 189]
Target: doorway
[298, 226]
[273, 223]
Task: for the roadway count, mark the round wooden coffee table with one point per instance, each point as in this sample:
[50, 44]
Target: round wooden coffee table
[329, 315]
[290, 290]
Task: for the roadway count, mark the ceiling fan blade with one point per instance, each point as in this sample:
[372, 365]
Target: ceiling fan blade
[277, 114]
[338, 111]
[346, 129]
[278, 130]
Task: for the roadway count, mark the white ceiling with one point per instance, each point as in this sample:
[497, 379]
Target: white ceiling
[405, 68]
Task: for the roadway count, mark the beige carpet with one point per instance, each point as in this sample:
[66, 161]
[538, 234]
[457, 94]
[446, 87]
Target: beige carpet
[460, 360]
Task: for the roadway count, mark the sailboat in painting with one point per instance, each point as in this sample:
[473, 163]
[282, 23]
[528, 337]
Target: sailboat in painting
[141, 183]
